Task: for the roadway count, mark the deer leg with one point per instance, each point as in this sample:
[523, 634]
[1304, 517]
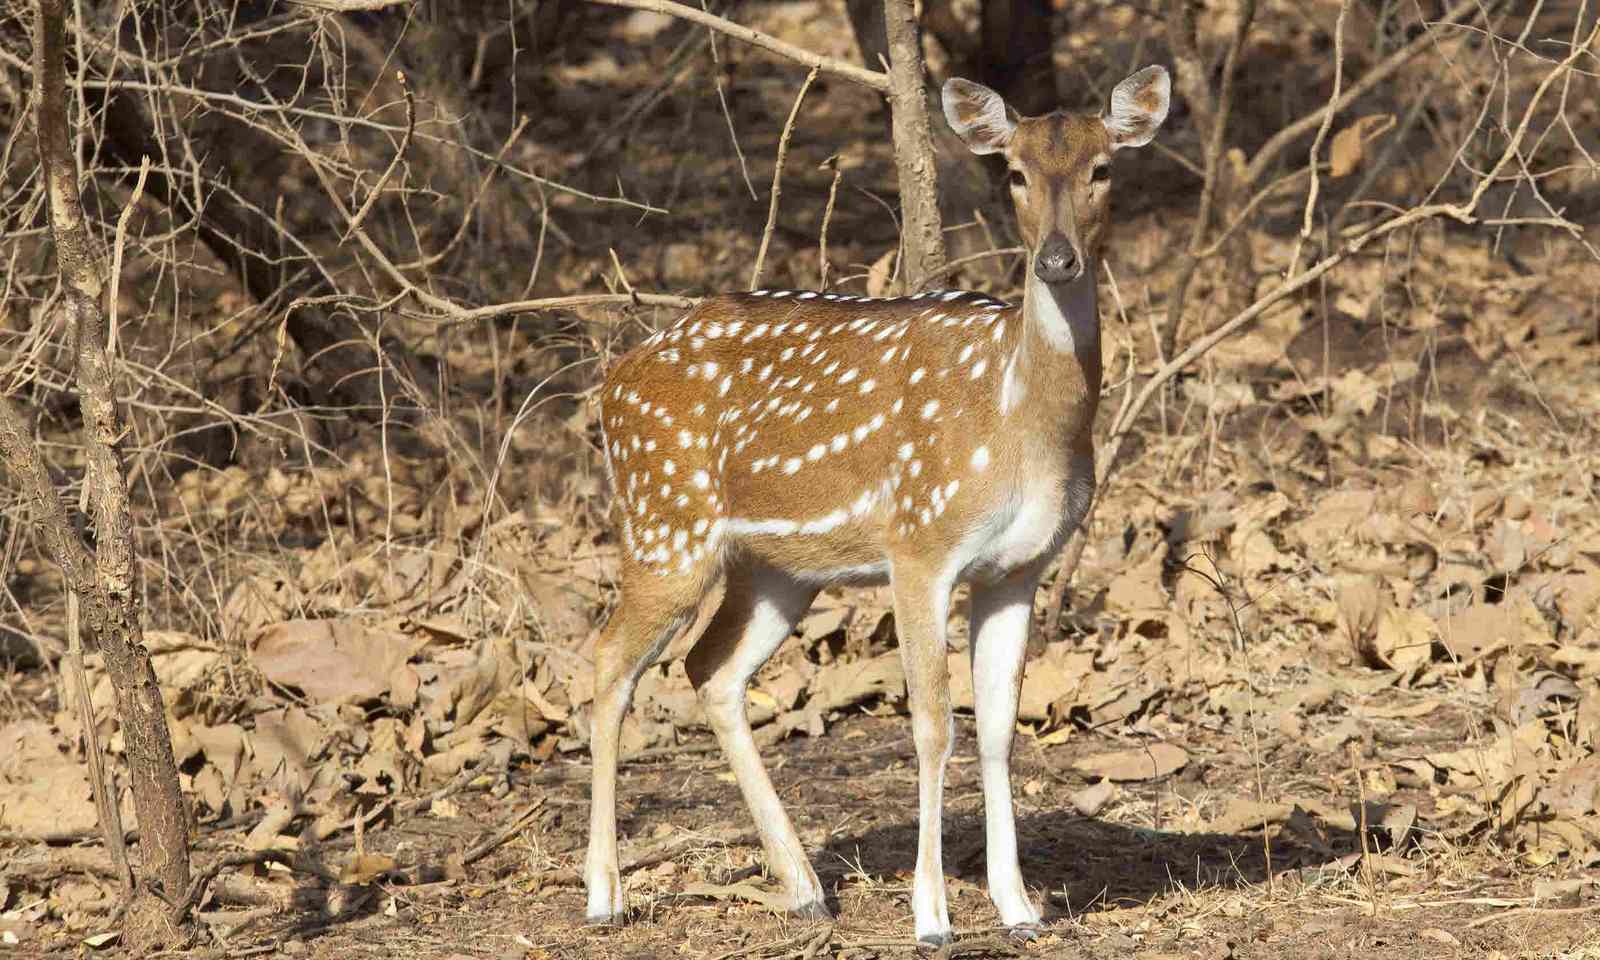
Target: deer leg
[921, 605]
[636, 635]
[1000, 616]
[759, 609]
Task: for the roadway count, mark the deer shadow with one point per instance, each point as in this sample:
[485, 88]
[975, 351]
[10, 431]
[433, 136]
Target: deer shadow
[1078, 864]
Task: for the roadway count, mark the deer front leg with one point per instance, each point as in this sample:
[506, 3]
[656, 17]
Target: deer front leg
[921, 605]
[1000, 616]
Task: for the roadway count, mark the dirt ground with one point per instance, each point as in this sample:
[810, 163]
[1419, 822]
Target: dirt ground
[1327, 684]
[1130, 881]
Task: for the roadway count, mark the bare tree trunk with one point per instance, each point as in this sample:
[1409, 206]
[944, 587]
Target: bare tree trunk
[872, 36]
[921, 229]
[1016, 60]
[105, 579]
[966, 185]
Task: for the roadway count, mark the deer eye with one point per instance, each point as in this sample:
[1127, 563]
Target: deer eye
[1019, 179]
[1100, 173]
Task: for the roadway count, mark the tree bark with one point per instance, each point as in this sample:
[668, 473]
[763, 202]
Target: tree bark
[870, 27]
[1016, 58]
[921, 229]
[107, 578]
[965, 183]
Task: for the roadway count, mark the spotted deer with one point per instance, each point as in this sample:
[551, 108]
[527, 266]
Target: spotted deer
[787, 441]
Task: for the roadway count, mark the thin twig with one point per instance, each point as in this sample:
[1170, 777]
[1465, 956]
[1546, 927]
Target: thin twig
[777, 178]
[827, 218]
[1281, 140]
[496, 310]
[246, 108]
[1322, 136]
[727, 114]
[117, 247]
[976, 946]
[105, 797]
[399, 156]
[659, 853]
[482, 849]
[849, 71]
[960, 262]
[1530, 912]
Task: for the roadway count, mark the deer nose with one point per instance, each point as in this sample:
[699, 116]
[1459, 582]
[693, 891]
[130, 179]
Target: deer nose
[1056, 261]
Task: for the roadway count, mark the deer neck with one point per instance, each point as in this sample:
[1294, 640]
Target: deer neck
[1058, 360]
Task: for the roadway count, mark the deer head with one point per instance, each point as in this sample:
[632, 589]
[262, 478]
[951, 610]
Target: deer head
[1059, 164]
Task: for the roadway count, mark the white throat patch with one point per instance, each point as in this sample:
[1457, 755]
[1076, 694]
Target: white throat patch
[1066, 314]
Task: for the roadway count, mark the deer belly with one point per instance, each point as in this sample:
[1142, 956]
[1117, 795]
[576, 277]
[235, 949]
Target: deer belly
[850, 555]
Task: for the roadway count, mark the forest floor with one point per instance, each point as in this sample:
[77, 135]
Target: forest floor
[1328, 684]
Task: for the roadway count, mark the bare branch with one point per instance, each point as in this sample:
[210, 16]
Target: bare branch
[921, 229]
[1322, 136]
[351, 6]
[777, 178]
[21, 458]
[1281, 140]
[457, 315]
[79, 267]
[399, 155]
[849, 71]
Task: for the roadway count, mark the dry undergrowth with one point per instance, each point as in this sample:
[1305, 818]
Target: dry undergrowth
[1327, 684]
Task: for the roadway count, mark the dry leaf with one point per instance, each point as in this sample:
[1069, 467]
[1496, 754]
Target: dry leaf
[1404, 638]
[1049, 678]
[842, 684]
[820, 623]
[1091, 799]
[880, 274]
[285, 742]
[1575, 792]
[331, 661]
[1156, 760]
[1243, 814]
[1139, 588]
[1360, 601]
[739, 891]
[1484, 628]
[1349, 143]
[44, 794]
[1394, 819]
[1054, 738]
[563, 610]
[1220, 394]
[1531, 697]
[1404, 711]
[265, 835]
[367, 867]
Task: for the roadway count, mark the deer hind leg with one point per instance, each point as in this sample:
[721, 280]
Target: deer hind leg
[1000, 615]
[652, 611]
[921, 605]
[758, 611]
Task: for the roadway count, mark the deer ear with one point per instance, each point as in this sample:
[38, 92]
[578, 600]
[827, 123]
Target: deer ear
[1138, 105]
[978, 116]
